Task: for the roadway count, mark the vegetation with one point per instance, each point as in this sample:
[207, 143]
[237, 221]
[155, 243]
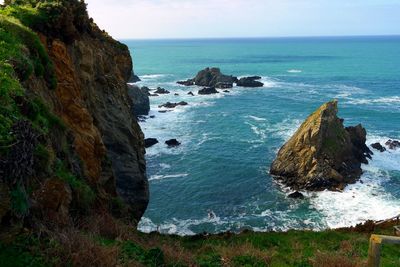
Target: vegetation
[104, 241]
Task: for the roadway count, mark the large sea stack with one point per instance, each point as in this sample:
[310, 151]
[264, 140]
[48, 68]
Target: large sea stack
[322, 154]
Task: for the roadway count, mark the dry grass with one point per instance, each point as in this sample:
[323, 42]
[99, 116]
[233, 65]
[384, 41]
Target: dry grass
[71, 247]
[228, 253]
[335, 260]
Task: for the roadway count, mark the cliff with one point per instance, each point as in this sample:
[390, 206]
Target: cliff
[69, 143]
[322, 154]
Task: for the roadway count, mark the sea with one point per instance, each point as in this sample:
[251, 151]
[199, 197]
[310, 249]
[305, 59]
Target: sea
[218, 179]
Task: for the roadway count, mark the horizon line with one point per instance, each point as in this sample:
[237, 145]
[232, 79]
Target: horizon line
[261, 37]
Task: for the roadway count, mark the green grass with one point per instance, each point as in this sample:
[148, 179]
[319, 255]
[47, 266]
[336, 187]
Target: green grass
[84, 194]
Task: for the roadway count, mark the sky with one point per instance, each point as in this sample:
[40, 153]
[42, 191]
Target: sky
[142, 19]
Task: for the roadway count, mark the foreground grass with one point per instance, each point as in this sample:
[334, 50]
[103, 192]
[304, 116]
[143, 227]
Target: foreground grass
[105, 242]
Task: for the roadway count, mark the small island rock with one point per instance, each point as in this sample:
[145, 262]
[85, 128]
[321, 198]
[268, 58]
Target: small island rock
[172, 143]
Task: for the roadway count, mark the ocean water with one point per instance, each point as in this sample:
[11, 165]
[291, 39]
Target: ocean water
[229, 140]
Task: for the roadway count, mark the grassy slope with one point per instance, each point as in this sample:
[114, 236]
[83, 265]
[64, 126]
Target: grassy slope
[126, 247]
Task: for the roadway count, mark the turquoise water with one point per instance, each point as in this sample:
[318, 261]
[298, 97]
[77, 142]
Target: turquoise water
[229, 140]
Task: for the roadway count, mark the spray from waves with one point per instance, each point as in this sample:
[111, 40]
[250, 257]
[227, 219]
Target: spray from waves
[161, 177]
[294, 71]
[381, 100]
[366, 200]
[153, 76]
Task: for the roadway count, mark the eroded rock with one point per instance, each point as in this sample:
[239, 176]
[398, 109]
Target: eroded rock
[322, 154]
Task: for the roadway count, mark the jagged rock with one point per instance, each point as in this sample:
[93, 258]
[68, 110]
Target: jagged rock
[208, 91]
[189, 82]
[210, 77]
[190, 93]
[176, 94]
[222, 85]
[227, 91]
[296, 195]
[152, 117]
[149, 142]
[172, 143]
[140, 100]
[173, 105]
[53, 200]
[250, 82]
[322, 154]
[161, 91]
[393, 144]
[378, 147]
[134, 78]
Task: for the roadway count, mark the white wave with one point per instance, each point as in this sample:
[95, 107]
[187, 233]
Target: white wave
[256, 118]
[153, 76]
[381, 100]
[165, 166]
[175, 226]
[294, 71]
[365, 200]
[161, 177]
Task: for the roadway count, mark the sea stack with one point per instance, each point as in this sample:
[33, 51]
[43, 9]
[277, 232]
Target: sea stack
[322, 154]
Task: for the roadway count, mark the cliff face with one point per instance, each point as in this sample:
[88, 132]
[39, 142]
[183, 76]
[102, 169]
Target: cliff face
[322, 154]
[86, 149]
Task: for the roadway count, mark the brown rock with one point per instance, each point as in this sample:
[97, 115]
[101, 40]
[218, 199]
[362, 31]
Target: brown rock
[53, 201]
[322, 154]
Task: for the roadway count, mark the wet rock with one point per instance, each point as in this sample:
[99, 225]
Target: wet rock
[134, 78]
[190, 93]
[173, 105]
[208, 91]
[378, 147]
[392, 144]
[152, 117]
[176, 94]
[250, 82]
[149, 142]
[222, 85]
[140, 100]
[172, 143]
[322, 154]
[189, 82]
[161, 91]
[210, 77]
[296, 195]
[227, 91]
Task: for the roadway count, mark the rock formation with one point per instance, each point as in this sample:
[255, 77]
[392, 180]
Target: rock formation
[211, 77]
[378, 147]
[149, 142]
[82, 147]
[322, 154]
[173, 105]
[250, 82]
[140, 100]
[393, 144]
[208, 91]
[172, 143]
[161, 91]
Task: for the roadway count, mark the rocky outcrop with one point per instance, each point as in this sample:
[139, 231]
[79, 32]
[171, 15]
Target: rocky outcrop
[149, 142]
[211, 77]
[134, 78]
[173, 105]
[140, 100]
[161, 91]
[208, 91]
[378, 147]
[172, 143]
[322, 154]
[94, 141]
[393, 144]
[250, 82]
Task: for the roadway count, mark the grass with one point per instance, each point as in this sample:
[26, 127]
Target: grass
[124, 246]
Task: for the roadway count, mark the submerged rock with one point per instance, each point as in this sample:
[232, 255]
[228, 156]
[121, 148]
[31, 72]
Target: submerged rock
[172, 143]
[393, 144]
[140, 100]
[378, 147]
[208, 91]
[190, 93]
[149, 142]
[189, 82]
[322, 154]
[296, 195]
[173, 105]
[250, 82]
[161, 91]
